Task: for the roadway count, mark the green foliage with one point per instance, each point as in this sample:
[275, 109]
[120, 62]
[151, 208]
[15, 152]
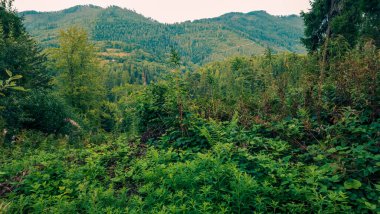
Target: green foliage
[243, 171]
[10, 83]
[248, 141]
[69, 182]
[275, 87]
[198, 42]
[79, 78]
[43, 112]
[22, 62]
[19, 53]
[278, 133]
[352, 184]
[156, 111]
[352, 19]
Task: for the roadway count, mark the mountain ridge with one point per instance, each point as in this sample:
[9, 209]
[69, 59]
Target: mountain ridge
[198, 41]
[179, 22]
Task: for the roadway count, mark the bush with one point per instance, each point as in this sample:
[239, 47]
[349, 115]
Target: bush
[38, 110]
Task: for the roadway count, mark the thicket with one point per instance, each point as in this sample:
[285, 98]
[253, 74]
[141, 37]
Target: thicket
[278, 133]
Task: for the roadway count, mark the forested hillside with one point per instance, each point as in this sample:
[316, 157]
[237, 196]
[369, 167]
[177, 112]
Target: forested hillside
[95, 123]
[198, 42]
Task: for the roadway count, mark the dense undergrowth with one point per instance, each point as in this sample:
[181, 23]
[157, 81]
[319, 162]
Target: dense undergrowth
[196, 149]
[242, 170]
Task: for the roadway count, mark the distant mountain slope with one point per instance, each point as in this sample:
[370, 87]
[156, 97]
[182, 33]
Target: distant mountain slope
[198, 41]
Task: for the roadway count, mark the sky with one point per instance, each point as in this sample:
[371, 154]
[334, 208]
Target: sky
[170, 11]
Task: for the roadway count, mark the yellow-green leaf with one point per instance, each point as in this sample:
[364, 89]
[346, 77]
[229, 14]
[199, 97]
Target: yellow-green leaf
[9, 72]
[352, 184]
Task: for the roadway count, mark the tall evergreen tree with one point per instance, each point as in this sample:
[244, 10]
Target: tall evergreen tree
[352, 19]
[19, 52]
[23, 65]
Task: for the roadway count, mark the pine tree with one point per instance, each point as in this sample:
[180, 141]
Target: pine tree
[352, 19]
[19, 53]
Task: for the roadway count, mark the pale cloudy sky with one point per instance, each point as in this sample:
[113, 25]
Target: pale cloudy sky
[170, 11]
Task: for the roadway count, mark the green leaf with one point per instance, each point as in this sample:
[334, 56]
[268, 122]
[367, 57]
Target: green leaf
[319, 157]
[352, 184]
[340, 148]
[332, 150]
[16, 77]
[18, 88]
[9, 72]
[335, 178]
[370, 206]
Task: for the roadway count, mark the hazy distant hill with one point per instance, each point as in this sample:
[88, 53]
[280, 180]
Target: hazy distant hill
[124, 31]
